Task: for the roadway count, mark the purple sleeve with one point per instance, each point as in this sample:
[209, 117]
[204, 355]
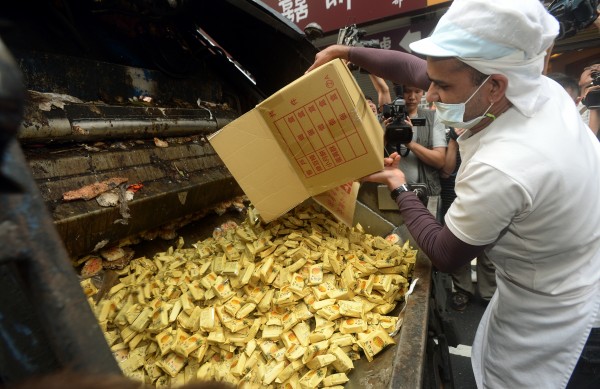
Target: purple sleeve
[446, 251]
[393, 65]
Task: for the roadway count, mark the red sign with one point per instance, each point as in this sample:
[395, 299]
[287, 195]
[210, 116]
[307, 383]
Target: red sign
[332, 15]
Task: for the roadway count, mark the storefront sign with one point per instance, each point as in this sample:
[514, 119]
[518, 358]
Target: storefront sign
[332, 15]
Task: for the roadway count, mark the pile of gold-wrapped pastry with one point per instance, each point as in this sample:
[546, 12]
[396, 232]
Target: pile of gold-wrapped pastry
[288, 304]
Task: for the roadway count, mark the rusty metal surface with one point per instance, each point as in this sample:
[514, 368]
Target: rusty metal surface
[93, 127]
[179, 180]
[409, 361]
[92, 122]
[85, 100]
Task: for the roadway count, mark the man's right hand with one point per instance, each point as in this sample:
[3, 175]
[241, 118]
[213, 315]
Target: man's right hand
[390, 175]
[328, 54]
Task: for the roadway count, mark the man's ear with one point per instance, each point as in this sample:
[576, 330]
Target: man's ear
[499, 85]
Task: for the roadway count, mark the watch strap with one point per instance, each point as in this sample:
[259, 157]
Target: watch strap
[396, 192]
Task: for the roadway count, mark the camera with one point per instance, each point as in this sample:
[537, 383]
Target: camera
[573, 15]
[372, 43]
[592, 99]
[398, 131]
[351, 36]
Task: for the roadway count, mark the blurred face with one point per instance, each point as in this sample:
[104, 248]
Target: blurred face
[413, 97]
[585, 81]
[372, 106]
[452, 83]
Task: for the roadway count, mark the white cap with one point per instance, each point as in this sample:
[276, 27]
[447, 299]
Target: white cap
[508, 37]
[490, 29]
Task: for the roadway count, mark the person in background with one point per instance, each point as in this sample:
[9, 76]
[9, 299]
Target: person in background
[371, 104]
[426, 153]
[569, 84]
[533, 214]
[464, 288]
[591, 115]
[449, 170]
[383, 91]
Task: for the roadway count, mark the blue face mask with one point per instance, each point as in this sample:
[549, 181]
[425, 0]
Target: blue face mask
[453, 114]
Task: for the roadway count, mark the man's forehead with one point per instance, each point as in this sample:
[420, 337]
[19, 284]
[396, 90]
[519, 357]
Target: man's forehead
[446, 69]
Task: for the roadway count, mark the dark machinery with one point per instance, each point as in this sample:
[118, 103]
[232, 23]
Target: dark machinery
[45, 321]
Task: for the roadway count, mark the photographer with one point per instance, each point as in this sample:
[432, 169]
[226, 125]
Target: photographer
[425, 153]
[589, 85]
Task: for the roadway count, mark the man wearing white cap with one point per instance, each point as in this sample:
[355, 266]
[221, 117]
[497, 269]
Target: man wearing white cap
[534, 213]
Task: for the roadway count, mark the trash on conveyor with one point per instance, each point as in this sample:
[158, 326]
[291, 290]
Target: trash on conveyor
[89, 192]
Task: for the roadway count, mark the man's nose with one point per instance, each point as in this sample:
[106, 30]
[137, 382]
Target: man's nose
[432, 95]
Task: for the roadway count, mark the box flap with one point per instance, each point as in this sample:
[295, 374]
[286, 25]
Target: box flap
[340, 201]
[260, 167]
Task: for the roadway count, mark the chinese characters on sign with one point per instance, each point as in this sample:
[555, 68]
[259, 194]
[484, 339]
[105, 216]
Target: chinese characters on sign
[332, 15]
[295, 10]
[332, 3]
[321, 135]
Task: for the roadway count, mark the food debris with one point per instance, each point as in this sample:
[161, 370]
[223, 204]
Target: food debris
[108, 199]
[90, 148]
[135, 187]
[101, 244]
[124, 197]
[89, 192]
[80, 130]
[91, 267]
[160, 143]
[116, 257]
[47, 101]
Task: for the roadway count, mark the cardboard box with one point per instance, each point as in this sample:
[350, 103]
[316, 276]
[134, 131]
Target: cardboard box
[314, 135]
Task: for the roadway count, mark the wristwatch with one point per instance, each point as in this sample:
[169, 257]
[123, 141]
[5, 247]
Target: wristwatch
[453, 134]
[396, 192]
